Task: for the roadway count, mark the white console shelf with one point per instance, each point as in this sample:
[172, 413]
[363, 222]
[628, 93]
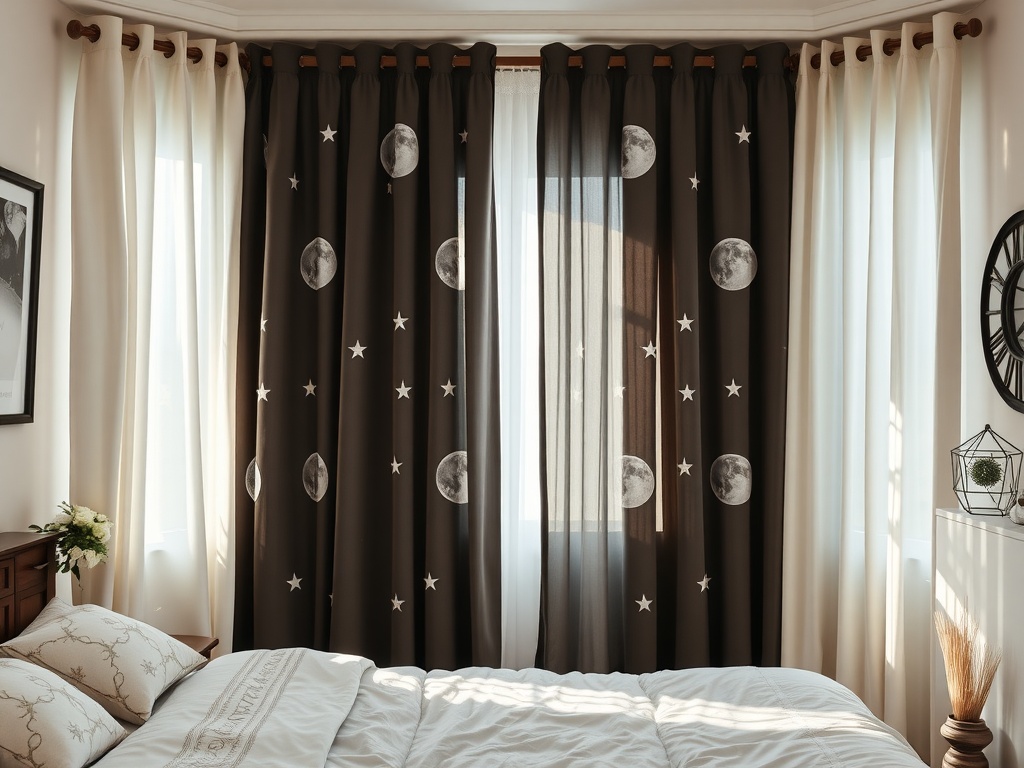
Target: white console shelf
[979, 563]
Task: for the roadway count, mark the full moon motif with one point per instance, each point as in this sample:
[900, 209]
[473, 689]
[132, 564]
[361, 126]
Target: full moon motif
[637, 481]
[318, 264]
[451, 264]
[253, 480]
[733, 264]
[731, 479]
[453, 477]
[400, 151]
[638, 151]
[314, 477]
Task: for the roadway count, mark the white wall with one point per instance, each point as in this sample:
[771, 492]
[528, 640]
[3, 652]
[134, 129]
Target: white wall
[994, 160]
[39, 63]
[993, 168]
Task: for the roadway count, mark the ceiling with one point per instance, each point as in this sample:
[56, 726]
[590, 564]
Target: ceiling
[519, 26]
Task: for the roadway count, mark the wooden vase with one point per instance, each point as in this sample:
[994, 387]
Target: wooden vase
[967, 739]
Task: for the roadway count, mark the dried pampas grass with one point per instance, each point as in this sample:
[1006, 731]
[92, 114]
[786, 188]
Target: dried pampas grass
[970, 665]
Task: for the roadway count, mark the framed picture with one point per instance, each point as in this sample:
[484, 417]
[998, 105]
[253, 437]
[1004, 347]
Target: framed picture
[21, 228]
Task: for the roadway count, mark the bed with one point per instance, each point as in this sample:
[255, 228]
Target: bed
[146, 700]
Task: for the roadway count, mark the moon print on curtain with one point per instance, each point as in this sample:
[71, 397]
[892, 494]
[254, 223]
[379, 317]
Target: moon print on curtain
[664, 233]
[368, 318]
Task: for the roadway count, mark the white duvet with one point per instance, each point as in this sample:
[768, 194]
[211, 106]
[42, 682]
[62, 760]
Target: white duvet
[304, 709]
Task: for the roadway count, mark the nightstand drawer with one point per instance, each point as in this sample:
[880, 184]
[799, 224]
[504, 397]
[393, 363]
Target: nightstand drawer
[6, 577]
[30, 567]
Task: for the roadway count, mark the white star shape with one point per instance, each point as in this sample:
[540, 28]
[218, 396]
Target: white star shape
[400, 322]
[430, 583]
[293, 582]
[687, 393]
[620, 392]
[396, 604]
[403, 391]
[744, 134]
[579, 351]
[263, 323]
[644, 603]
[684, 468]
[464, 135]
[734, 388]
[310, 388]
[694, 180]
[704, 583]
[262, 392]
[650, 349]
[328, 134]
[294, 180]
[449, 389]
[685, 323]
[357, 350]
[389, 192]
[395, 464]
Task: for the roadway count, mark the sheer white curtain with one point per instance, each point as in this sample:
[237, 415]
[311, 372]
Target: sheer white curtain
[156, 179]
[874, 367]
[516, 95]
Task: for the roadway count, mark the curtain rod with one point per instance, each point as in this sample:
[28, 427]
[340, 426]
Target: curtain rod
[77, 29]
[961, 30]
[972, 28]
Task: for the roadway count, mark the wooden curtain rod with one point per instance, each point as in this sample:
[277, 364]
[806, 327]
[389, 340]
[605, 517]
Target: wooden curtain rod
[961, 30]
[972, 28]
[77, 29]
[526, 62]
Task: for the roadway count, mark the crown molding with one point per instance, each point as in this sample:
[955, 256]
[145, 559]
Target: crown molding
[521, 32]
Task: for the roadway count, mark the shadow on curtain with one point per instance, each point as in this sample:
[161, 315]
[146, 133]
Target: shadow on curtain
[665, 209]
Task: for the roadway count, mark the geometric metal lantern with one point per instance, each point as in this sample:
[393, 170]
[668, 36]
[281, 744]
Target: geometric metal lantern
[986, 473]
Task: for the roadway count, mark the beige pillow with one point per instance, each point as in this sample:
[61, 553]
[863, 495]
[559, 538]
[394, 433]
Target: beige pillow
[121, 663]
[46, 723]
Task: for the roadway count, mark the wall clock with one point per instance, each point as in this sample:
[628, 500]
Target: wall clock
[1002, 311]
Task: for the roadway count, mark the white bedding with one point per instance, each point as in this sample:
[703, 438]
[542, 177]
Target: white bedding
[305, 709]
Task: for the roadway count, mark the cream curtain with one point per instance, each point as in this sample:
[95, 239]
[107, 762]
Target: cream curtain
[874, 367]
[156, 178]
[516, 95]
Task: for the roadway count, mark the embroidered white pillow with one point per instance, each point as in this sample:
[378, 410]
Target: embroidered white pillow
[46, 723]
[122, 663]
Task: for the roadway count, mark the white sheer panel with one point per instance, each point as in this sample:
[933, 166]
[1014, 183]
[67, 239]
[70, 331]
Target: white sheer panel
[515, 189]
[154, 320]
[874, 357]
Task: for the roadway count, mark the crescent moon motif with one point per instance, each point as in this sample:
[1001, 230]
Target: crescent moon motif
[637, 481]
[400, 151]
[452, 477]
[318, 263]
[314, 477]
[638, 151]
[253, 480]
[451, 264]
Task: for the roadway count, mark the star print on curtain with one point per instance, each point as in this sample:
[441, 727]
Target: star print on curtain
[369, 515]
[665, 208]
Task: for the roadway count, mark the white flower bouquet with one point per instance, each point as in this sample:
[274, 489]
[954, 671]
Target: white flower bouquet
[83, 536]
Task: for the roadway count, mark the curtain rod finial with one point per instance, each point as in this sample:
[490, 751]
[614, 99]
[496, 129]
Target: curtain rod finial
[77, 30]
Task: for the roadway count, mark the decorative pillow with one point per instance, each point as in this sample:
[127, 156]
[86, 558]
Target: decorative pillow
[46, 723]
[121, 663]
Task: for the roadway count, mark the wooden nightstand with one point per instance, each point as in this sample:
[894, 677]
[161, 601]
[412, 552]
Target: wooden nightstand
[27, 574]
[198, 643]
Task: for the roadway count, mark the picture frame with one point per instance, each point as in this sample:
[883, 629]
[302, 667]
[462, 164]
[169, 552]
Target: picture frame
[21, 235]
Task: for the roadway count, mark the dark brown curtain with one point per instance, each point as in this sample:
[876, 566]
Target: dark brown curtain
[368, 513]
[665, 209]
